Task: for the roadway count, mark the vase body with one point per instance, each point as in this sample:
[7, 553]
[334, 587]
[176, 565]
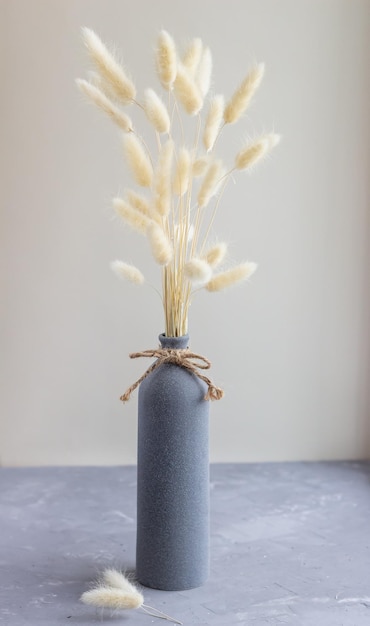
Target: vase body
[172, 549]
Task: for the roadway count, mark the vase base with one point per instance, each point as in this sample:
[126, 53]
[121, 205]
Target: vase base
[169, 587]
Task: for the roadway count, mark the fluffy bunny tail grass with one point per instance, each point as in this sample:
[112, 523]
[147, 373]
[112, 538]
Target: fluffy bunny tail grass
[115, 578]
[192, 56]
[241, 98]
[182, 174]
[118, 593]
[113, 598]
[156, 111]
[198, 271]
[254, 152]
[231, 277]
[166, 59]
[204, 72]
[128, 272]
[108, 67]
[100, 99]
[162, 179]
[139, 202]
[200, 165]
[213, 121]
[215, 255]
[210, 183]
[137, 220]
[188, 92]
[138, 160]
[160, 245]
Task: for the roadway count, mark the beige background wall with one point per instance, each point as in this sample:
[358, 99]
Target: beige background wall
[291, 349]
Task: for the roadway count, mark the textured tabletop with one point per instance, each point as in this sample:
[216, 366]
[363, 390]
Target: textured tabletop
[289, 545]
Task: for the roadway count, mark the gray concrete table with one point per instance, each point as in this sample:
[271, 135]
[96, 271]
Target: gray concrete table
[290, 545]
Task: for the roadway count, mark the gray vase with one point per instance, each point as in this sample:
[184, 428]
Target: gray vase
[172, 549]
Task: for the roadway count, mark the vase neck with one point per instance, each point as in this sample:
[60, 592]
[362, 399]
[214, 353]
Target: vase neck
[174, 343]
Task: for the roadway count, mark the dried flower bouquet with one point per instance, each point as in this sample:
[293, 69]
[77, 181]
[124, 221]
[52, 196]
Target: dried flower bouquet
[182, 178]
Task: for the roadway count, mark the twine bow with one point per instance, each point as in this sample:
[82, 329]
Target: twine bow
[184, 358]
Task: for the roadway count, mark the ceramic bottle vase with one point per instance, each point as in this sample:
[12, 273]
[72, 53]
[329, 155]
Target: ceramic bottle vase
[172, 551]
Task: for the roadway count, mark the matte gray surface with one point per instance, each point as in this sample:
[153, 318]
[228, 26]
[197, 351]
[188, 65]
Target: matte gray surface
[289, 545]
[173, 477]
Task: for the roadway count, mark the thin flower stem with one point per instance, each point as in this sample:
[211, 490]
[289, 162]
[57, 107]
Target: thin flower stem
[214, 212]
[227, 174]
[138, 104]
[158, 613]
[197, 218]
[172, 112]
[141, 139]
[197, 135]
[218, 136]
[179, 120]
[187, 287]
[156, 290]
[158, 140]
[195, 149]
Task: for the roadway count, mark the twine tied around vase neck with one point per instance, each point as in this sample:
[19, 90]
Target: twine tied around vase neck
[184, 358]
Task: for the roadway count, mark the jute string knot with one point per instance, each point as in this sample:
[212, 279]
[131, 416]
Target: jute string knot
[184, 358]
